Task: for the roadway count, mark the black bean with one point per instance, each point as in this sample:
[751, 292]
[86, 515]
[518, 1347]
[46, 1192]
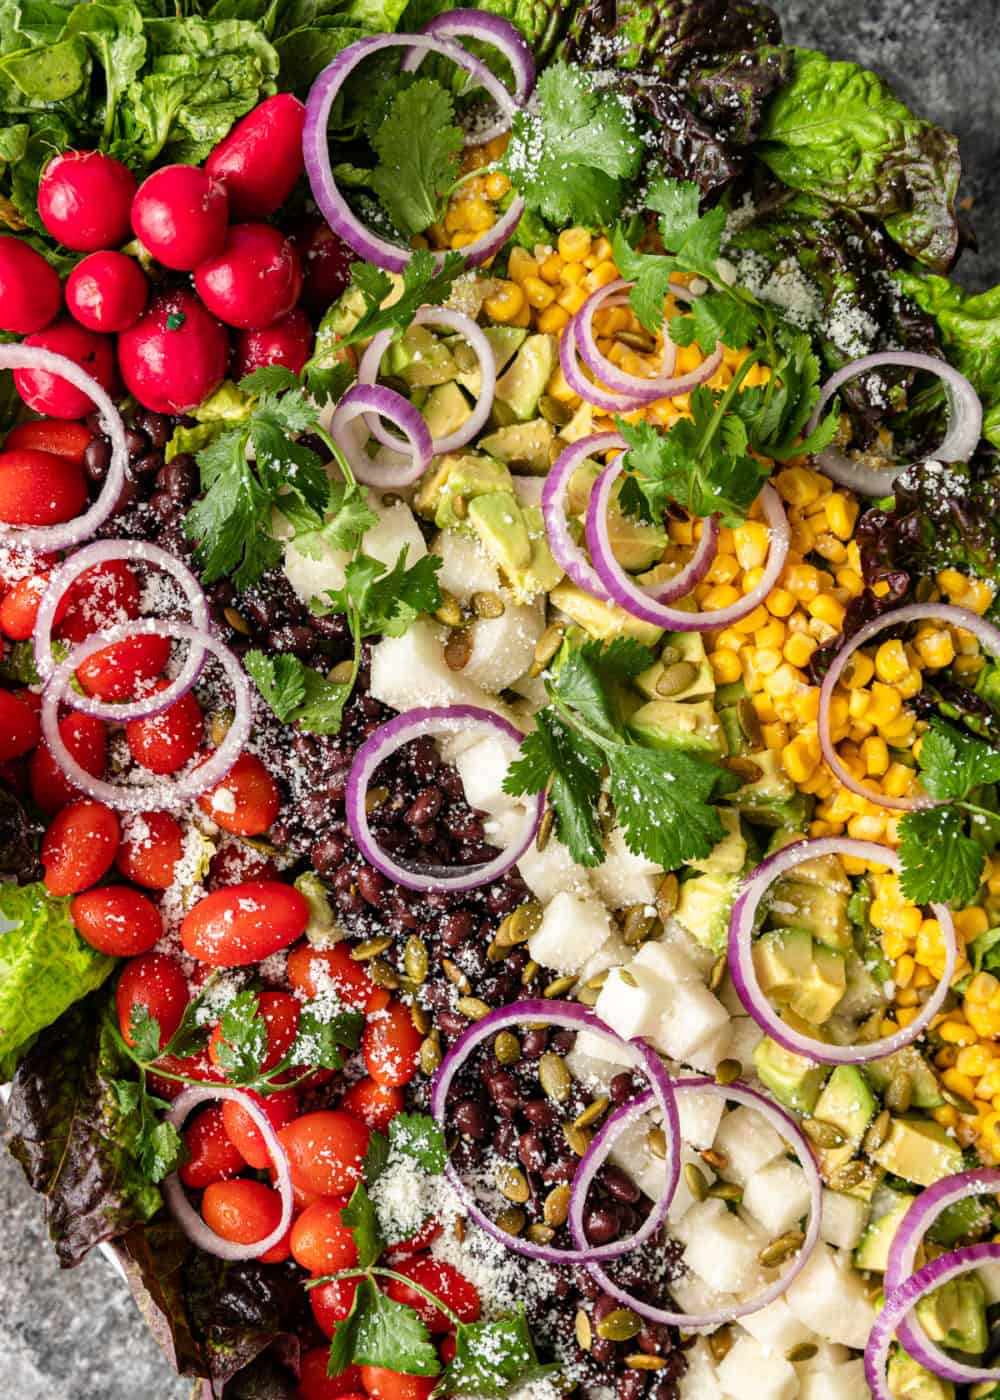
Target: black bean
[505, 1139]
[602, 1351]
[148, 465]
[327, 855]
[137, 443]
[156, 426]
[630, 1385]
[540, 1112]
[531, 1150]
[472, 1119]
[561, 1168]
[623, 1088]
[290, 638]
[648, 1342]
[425, 806]
[601, 1224]
[371, 884]
[534, 1044]
[618, 1185]
[179, 478]
[563, 1041]
[456, 928]
[97, 458]
[502, 1089]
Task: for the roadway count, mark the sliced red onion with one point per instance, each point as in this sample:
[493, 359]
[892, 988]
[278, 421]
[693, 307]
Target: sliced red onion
[903, 1256]
[368, 371]
[488, 29]
[597, 1154]
[571, 1016]
[316, 151]
[641, 602]
[744, 974]
[555, 498]
[175, 790]
[989, 638]
[134, 552]
[71, 532]
[387, 739]
[197, 1231]
[363, 400]
[900, 1302]
[965, 420]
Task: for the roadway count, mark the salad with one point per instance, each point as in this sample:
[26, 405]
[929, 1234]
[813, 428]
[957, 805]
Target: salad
[500, 700]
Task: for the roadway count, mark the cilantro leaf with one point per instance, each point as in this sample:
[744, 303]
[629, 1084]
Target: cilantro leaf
[385, 602]
[242, 1048]
[424, 284]
[345, 1333]
[391, 1334]
[589, 672]
[360, 1218]
[321, 1039]
[297, 693]
[953, 762]
[714, 317]
[418, 146]
[346, 520]
[322, 710]
[144, 1030]
[491, 1358]
[679, 824]
[269, 379]
[553, 757]
[778, 412]
[678, 203]
[376, 1158]
[417, 1135]
[161, 1149]
[940, 862]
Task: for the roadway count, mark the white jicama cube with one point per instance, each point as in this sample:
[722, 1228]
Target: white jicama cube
[466, 568]
[829, 1296]
[603, 1051]
[482, 768]
[777, 1196]
[720, 1248]
[631, 1001]
[571, 931]
[682, 1199]
[744, 1037]
[310, 576]
[503, 647]
[749, 1142]
[748, 1372]
[828, 1355]
[843, 1382]
[700, 1381]
[776, 1328]
[631, 1153]
[411, 670]
[843, 1220]
[623, 877]
[549, 871]
[668, 960]
[696, 1298]
[614, 953]
[691, 1018]
[705, 1057]
[700, 1113]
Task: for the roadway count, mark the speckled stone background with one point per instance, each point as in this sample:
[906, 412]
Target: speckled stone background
[76, 1336]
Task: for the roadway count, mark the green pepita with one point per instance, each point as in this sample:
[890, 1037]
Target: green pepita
[554, 1077]
[639, 1361]
[512, 1220]
[458, 648]
[718, 973]
[577, 1139]
[878, 1132]
[781, 1249]
[507, 1048]
[581, 1326]
[639, 924]
[430, 1054]
[592, 1113]
[513, 1184]
[805, 1351]
[823, 1134]
[696, 1182]
[472, 1008]
[373, 800]
[621, 1325]
[450, 610]
[546, 647]
[415, 958]
[675, 678]
[559, 986]
[656, 1141]
[539, 1233]
[371, 947]
[488, 605]
[555, 1208]
[727, 1071]
[899, 1093]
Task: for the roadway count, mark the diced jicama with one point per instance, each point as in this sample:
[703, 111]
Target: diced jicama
[691, 1017]
[720, 1248]
[668, 960]
[631, 1001]
[503, 647]
[748, 1372]
[829, 1296]
[613, 953]
[312, 573]
[777, 1196]
[700, 1113]
[843, 1220]
[482, 767]
[843, 1382]
[571, 931]
[466, 568]
[706, 1057]
[411, 670]
[776, 1327]
[700, 1381]
[600, 1050]
[623, 877]
[744, 1037]
[551, 870]
[748, 1142]
[695, 1298]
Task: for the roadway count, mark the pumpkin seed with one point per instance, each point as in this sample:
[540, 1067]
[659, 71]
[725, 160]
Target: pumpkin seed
[455, 975]
[450, 611]
[726, 1191]
[430, 1053]
[588, 996]
[848, 1176]
[627, 977]
[554, 1077]
[219, 725]
[488, 605]
[899, 1094]
[371, 947]
[605, 812]
[373, 800]
[720, 1343]
[236, 621]
[639, 1361]
[458, 648]
[963, 1106]
[639, 924]
[519, 925]
[669, 654]
[554, 412]
[546, 647]
[460, 507]
[656, 1141]
[781, 1249]
[878, 1132]
[341, 673]
[507, 1048]
[513, 1184]
[599, 978]
[559, 986]
[555, 1208]
[415, 958]
[667, 894]
[621, 1325]
[581, 1326]
[823, 1134]
[529, 972]
[805, 1351]
[718, 974]
[636, 340]
[675, 678]
[695, 1181]
[512, 1220]
[577, 1139]
[744, 768]
[472, 1008]
[718, 1161]
[592, 1113]
[383, 975]
[545, 827]
[727, 1071]
[541, 1234]
[749, 721]
[420, 1017]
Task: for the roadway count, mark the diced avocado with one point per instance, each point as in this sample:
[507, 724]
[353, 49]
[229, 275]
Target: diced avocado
[847, 1102]
[445, 410]
[728, 856]
[872, 1250]
[524, 445]
[796, 971]
[963, 1223]
[864, 993]
[703, 906]
[792, 1079]
[543, 572]
[499, 522]
[340, 319]
[909, 1061]
[772, 799]
[680, 646]
[601, 620]
[636, 544]
[823, 911]
[821, 870]
[907, 1380]
[466, 475]
[504, 341]
[671, 724]
[581, 425]
[955, 1315]
[919, 1150]
[420, 359]
[524, 381]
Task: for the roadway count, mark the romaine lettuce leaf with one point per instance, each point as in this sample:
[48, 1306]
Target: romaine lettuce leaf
[45, 967]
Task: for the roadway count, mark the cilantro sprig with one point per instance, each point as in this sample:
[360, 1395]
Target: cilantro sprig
[297, 693]
[662, 797]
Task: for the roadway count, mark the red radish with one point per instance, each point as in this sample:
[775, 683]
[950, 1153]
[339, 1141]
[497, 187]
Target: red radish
[212, 1156]
[117, 920]
[151, 846]
[287, 341]
[261, 158]
[123, 670]
[38, 488]
[52, 396]
[165, 742]
[246, 802]
[326, 263]
[84, 199]
[254, 280]
[102, 596]
[79, 847]
[175, 355]
[63, 437]
[30, 295]
[86, 739]
[180, 214]
[19, 728]
[156, 982]
[106, 291]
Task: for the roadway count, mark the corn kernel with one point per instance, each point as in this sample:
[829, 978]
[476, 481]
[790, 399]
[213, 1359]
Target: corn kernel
[603, 274]
[974, 1060]
[767, 660]
[753, 621]
[970, 923]
[904, 970]
[725, 666]
[956, 1033]
[521, 264]
[978, 596]
[550, 268]
[538, 293]
[780, 602]
[802, 580]
[827, 609]
[935, 648]
[852, 583]
[884, 704]
[798, 761]
[721, 595]
[841, 514]
[875, 753]
[750, 541]
[723, 569]
[864, 828]
[552, 320]
[497, 185]
[505, 303]
[959, 1083]
[796, 485]
[891, 663]
[572, 298]
[771, 633]
[775, 735]
[575, 244]
[858, 671]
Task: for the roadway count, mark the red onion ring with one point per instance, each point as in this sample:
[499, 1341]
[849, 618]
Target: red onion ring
[134, 551]
[903, 1255]
[434, 719]
[488, 29]
[744, 974]
[363, 400]
[197, 1231]
[965, 421]
[902, 1300]
[626, 593]
[597, 1153]
[988, 637]
[71, 532]
[555, 494]
[316, 151]
[173, 791]
[572, 1016]
[368, 371]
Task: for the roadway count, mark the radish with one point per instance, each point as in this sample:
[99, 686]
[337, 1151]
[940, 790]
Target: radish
[287, 341]
[261, 158]
[180, 214]
[326, 263]
[174, 355]
[30, 295]
[106, 291]
[254, 280]
[84, 199]
[47, 393]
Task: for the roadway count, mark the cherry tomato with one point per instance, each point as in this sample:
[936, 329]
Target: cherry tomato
[383, 1384]
[332, 1302]
[150, 848]
[245, 1212]
[280, 1011]
[117, 920]
[19, 608]
[321, 1242]
[417, 1243]
[391, 1045]
[261, 158]
[375, 1104]
[19, 728]
[165, 742]
[212, 1156]
[244, 1134]
[63, 437]
[180, 214]
[254, 280]
[101, 597]
[30, 295]
[106, 291]
[50, 394]
[234, 864]
[197, 1066]
[326, 1151]
[445, 1282]
[312, 970]
[247, 799]
[156, 982]
[447, 1349]
[84, 199]
[39, 488]
[79, 847]
[122, 670]
[315, 1384]
[86, 739]
[244, 923]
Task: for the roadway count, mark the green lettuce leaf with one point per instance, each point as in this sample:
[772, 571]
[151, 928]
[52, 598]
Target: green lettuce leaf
[835, 130]
[45, 967]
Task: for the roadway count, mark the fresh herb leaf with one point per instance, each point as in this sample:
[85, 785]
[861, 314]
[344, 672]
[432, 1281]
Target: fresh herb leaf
[424, 284]
[385, 602]
[418, 146]
[345, 1334]
[346, 519]
[777, 413]
[491, 1358]
[145, 1032]
[940, 862]
[588, 678]
[953, 762]
[360, 1218]
[161, 1149]
[297, 693]
[376, 1158]
[321, 1039]
[417, 1135]
[392, 1335]
[678, 824]
[242, 1047]
[553, 757]
[322, 710]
